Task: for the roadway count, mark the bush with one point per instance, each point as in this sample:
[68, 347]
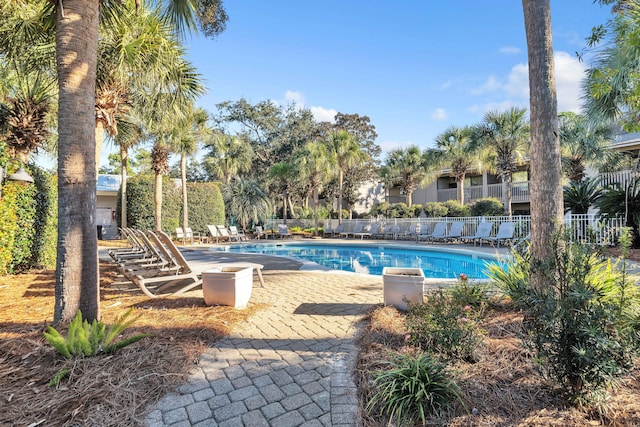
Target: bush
[28, 223]
[411, 388]
[435, 209]
[582, 326]
[379, 209]
[455, 209]
[486, 207]
[465, 293]
[444, 326]
[140, 207]
[205, 204]
[399, 210]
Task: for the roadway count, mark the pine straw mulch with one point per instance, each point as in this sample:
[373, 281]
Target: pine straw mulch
[112, 390]
[503, 384]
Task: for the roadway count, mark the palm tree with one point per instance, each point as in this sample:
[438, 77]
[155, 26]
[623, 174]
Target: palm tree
[408, 168]
[455, 151]
[582, 145]
[228, 156]
[546, 170]
[76, 60]
[246, 201]
[347, 153]
[581, 195]
[610, 89]
[623, 201]
[506, 136]
[316, 167]
[283, 174]
[185, 139]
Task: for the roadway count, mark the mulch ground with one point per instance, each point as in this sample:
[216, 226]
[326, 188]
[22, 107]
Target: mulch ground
[107, 390]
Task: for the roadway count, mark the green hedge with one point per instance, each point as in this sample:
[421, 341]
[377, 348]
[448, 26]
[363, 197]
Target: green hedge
[205, 204]
[28, 223]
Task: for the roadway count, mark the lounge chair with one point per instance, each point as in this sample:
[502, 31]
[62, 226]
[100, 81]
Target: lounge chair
[439, 231]
[224, 232]
[483, 231]
[239, 236]
[182, 279]
[283, 231]
[187, 234]
[505, 234]
[135, 246]
[365, 231]
[213, 233]
[259, 232]
[455, 232]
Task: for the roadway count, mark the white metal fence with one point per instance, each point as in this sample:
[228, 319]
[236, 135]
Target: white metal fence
[587, 228]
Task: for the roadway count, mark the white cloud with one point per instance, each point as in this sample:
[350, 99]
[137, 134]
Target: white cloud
[491, 85]
[509, 50]
[569, 74]
[481, 109]
[322, 114]
[293, 96]
[439, 114]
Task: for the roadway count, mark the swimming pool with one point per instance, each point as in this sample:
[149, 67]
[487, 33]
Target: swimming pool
[371, 259]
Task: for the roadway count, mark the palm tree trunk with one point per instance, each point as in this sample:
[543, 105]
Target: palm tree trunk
[284, 206]
[183, 177]
[157, 201]
[460, 189]
[546, 168]
[340, 179]
[508, 188]
[124, 160]
[77, 275]
[315, 210]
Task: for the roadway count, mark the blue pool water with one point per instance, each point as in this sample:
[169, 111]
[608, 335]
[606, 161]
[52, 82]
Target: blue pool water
[372, 259]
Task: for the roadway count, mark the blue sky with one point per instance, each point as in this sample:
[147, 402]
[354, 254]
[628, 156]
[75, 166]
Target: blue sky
[414, 67]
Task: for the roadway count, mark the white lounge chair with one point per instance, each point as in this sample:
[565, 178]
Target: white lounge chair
[239, 236]
[283, 231]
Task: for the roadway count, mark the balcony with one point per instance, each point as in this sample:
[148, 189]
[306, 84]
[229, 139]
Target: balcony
[519, 193]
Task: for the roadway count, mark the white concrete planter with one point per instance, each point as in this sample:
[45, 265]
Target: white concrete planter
[228, 286]
[402, 285]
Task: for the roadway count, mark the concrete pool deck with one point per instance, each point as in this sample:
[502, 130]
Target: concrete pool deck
[290, 364]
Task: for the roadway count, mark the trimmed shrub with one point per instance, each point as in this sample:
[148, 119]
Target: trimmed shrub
[455, 209]
[435, 209]
[140, 209]
[398, 210]
[205, 204]
[486, 207]
[43, 251]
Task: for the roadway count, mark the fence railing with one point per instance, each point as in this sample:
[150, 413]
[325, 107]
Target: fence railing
[588, 228]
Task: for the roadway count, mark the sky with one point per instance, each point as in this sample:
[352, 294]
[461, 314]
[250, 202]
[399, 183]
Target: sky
[414, 67]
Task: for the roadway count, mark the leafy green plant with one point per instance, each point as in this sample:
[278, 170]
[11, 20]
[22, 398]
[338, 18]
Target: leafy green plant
[444, 326]
[489, 206]
[465, 293]
[583, 325]
[411, 388]
[90, 339]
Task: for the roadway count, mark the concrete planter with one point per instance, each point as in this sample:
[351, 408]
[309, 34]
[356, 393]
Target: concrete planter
[228, 286]
[402, 285]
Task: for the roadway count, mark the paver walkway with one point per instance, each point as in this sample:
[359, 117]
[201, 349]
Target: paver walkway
[289, 365]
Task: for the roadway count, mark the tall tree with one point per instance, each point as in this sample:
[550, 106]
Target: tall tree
[77, 51]
[506, 136]
[583, 144]
[77, 285]
[316, 167]
[283, 176]
[228, 156]
[546, 170]
[343, 147]
[407, 168]
[455, 151]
